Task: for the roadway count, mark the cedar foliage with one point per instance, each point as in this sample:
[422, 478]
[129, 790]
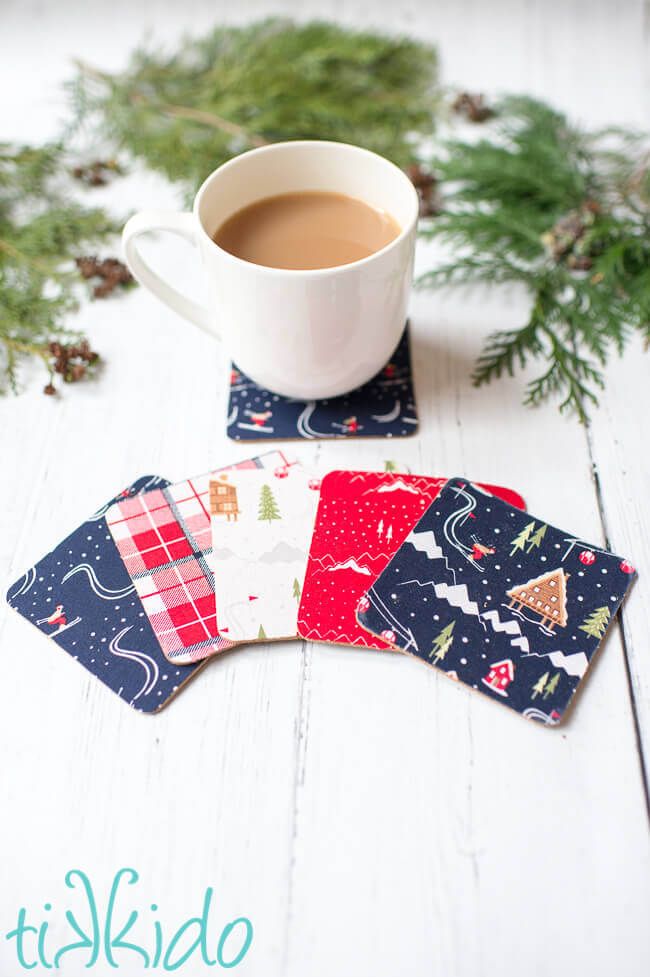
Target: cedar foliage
[566, 214]
[41, 232]
[185, 112]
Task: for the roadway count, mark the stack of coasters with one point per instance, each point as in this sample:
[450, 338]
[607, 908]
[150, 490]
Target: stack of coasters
[505, 603]
[383, 408]
[166, 576]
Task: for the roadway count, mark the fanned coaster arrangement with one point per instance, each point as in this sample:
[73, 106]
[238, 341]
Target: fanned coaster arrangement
[383, 408]
[454, 573]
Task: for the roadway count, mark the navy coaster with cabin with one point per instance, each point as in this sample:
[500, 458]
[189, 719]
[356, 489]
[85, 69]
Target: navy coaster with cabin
[499, 600]
[82, 597]
[382, 408]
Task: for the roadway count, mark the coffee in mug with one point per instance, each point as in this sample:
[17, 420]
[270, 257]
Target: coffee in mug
[310, 229]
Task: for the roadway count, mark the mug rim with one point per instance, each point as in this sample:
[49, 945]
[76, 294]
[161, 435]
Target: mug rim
[308, 272]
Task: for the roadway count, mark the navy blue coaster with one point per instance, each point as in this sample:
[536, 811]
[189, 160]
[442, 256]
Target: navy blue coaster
[498, 600]
[383, 408]
[82, 597]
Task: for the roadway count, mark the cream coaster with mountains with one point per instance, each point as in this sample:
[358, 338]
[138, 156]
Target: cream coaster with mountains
[262, 523]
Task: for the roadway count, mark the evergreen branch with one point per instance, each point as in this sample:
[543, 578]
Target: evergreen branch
[42, 230]
[216, 121]
[565, 213]
[186, 112]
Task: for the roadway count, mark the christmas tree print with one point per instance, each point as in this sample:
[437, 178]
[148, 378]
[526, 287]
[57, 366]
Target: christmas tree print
[552, 685]
[596, 624]
[296, 588]
[261, 634]
[442, 643]
[390, 466]
[523, 537]
[380, 527]
[389, 533]
[268, 507]
[537, 538]
[538, 687]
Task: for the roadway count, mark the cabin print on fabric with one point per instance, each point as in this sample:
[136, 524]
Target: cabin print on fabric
[362, 520]
[82, 597]
[223, 499]
[519, 622]
[544, 596]
[384, 407]
[500, 676]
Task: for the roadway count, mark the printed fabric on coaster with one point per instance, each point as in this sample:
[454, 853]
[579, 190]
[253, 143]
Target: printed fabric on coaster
[262, 524]
[383, 408]
[82, 597]
[164, 539]
[518, 618]
[363, 518]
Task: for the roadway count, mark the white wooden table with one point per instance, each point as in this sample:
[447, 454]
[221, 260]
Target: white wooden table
[371, 818]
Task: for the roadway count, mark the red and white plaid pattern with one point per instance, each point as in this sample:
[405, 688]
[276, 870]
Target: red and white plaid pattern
[164, 537]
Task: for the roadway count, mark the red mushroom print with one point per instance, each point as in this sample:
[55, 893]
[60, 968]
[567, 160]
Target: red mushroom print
[389, 370]
[282, 471]
[363, 604]
[389, 636]
[626, 566]
[314, 484]
[587, 558]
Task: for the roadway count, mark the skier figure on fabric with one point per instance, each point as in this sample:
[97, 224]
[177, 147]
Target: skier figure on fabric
[58, 618]
[479, 550]
[259, 418]
[350, 425]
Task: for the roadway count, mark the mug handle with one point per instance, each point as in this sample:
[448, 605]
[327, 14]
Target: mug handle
[182, 224]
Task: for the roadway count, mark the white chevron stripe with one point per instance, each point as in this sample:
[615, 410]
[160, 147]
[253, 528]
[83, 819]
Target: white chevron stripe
[508, 627]
[522, 643]
[457, 596]
[426, 543]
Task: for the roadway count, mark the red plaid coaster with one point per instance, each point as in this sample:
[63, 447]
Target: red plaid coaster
[164, 538]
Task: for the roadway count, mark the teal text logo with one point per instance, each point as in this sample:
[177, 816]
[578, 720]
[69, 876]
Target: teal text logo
[114, 938]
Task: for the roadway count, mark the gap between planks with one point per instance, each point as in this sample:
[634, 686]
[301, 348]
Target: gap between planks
[600, 502]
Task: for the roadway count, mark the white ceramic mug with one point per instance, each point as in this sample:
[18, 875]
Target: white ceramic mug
[305, 333]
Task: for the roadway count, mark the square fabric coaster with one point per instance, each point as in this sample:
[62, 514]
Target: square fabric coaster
[363, 518]
[82, 597]
[262, 524]
[164, 538]
[383, 408]
[499, 600]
